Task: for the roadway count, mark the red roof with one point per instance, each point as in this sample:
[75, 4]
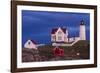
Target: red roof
[54, 30]
[33, 42]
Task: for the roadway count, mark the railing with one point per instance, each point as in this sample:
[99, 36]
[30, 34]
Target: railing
[64, 44]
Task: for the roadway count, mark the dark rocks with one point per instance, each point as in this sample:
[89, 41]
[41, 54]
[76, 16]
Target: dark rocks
[30, 55]
[80, 50]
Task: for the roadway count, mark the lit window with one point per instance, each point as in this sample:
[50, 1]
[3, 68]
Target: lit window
[59, 37]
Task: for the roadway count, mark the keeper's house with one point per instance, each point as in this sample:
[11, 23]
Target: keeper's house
[60, 34]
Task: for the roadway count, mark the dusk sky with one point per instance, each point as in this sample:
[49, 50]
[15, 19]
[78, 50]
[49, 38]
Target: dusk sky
[37, 25]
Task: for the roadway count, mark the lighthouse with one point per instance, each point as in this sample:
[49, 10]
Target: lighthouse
[82, 32]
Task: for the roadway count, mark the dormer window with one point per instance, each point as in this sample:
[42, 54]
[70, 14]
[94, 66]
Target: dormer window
[29, 43]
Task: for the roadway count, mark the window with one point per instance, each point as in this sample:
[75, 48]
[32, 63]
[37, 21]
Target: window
[28, 43]
[59, 33]
[53, 37]
[59, 37]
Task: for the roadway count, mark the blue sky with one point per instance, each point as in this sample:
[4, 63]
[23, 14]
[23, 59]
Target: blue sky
[37, 25]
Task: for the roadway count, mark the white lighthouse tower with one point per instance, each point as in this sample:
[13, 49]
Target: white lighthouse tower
[82, 32]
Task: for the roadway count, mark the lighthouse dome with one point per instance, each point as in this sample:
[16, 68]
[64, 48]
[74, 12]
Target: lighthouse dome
[82, 22]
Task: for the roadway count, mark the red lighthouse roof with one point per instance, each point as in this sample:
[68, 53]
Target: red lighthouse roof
[54, 30]
[82, 22]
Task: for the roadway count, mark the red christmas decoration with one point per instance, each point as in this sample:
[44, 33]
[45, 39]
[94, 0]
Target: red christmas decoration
[58, 51]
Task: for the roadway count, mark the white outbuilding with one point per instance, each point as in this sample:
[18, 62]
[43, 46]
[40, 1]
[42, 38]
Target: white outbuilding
[30, 44]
